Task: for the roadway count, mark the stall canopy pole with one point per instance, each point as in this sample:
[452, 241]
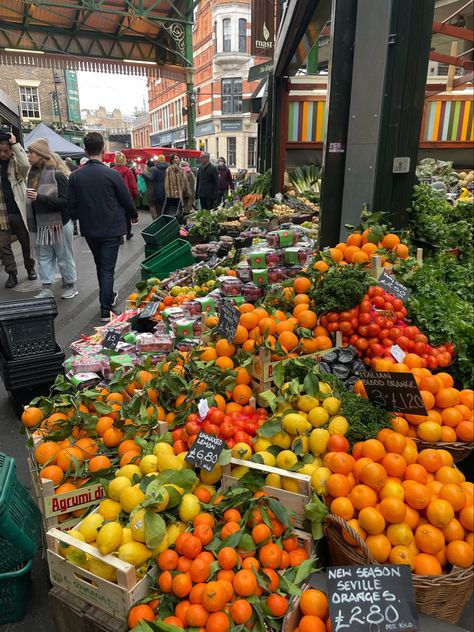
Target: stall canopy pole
[343, 21]
[188, 53]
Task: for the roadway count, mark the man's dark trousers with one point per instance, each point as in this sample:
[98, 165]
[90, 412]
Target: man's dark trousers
[105, 253]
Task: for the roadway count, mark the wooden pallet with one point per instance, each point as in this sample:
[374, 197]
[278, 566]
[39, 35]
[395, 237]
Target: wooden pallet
[114, 598]
[72, 614]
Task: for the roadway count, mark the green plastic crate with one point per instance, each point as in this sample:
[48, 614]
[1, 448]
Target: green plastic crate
[20, 518]
[151, 250]
[174, 256]
[13, 593]
[160, 232]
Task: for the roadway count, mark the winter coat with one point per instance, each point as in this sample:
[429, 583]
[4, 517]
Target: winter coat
[207, 184]
[18, 169]
[129, 178]
[155, 181]
[189, 201]
[225, 179]
[176, 183]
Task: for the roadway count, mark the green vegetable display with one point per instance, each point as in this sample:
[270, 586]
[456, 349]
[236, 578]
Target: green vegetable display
[339, 288]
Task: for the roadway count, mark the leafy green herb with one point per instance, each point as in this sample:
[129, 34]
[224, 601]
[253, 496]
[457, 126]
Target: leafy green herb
[339, 288]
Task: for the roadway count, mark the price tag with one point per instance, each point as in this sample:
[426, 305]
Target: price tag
[228, 320]
[397, 353]
[396, 392]
[112, 338]
[205, 451]
[149, 310]
[203, 408]
[390, 284]
[376, 598]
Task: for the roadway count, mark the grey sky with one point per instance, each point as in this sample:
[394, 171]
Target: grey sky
[111, 91]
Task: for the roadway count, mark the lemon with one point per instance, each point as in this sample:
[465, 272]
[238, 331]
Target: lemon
[338, 425]
[90, 526]
[307, 402]
[182, 456]
[273, 480]
[239, 470]
[149, 464]
[130, 471]
[261, 444]
[164, 544]
[117, 485]
[175, 290]
[109, 537]
[135, 553]
[209, 478]
[325, 388]
[300, 444]
[162, 448]
[110, 509]
[317, 461]
[169, 462]
[318, 441]
[126, 535]
[399, 533]
[163, 499]
[137, 525]
[290, 485]
[295, 424]
[130, 498]
[268, 458]
[189, 507]
[286, 459]
[66, 549]
[308, 469]
[101, 569]
[282, 440]
[332, 405]
[173, 530]
[318, 416]
[319, 480]
[241, 450]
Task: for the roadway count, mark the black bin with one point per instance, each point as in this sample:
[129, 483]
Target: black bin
[27, 327]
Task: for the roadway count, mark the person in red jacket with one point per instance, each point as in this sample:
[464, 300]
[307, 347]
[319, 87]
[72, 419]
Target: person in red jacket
[130, 182]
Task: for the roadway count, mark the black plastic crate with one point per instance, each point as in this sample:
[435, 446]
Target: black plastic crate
[31, 370]
[20, 397]
[27, 327]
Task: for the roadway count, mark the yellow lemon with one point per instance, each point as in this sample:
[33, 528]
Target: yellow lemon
[318, 416]
[295, 424]
[101, 569]
[110, 509]
[109, 537]
[149, 464]
[66, 549]
[273, 480]
[130, 498]
[209, 478]
[290, 485]
[126, 535]
[332, 405]
[286, 459]
[308, 469]
[261, 444]
[189, 507]
[268, 458]
[325, 388]
[300, 445]
[135, 553]
[239, 470]
[89, 527]
[117, 485]
[182, 456]
[162, 499]
[282, 440]
[137, 525]
[242, 451]
[338, 425]
[162, 448]
[318, 441]
[169, 462]
[130, 471]
[307, 402]
[319, 480]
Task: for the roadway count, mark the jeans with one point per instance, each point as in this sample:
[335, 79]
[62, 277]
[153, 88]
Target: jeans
[18, 228]
[105, 252]
[62, 254]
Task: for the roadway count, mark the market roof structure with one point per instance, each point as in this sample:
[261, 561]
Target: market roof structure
[144, 37]
[56, 142]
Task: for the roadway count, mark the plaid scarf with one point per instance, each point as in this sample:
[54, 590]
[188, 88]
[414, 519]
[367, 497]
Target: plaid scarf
[47, 226]
[12, 175]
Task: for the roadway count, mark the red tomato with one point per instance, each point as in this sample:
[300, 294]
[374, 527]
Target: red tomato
[333, 327]
[344, 327]
[227, 429]
[388, 306]
[381, 321]
[354, 323]
[403, 342]
[388, 298]
[411, 332]
[354, 312]
[363, 330]
[344, 316]
[377, 349]
[397, 304]
[384, 333]
[231, 443]
[419, 348]
[243, 437]
[192, 427]
[378, 302]
[421, 338]
[333, 317]
[353, 339]
[362, 344]
[248, 410]
[365, 307]
[217, 416]
[444, 359]
[323, 320]
[387, 342]
[373, 330]
[365, 319]
[395, 332]
[432, 362]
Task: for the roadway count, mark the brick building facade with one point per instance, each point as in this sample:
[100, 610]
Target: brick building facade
[221, 44]
[141, 130]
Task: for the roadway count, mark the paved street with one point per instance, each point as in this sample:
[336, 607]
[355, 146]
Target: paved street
[78, 315]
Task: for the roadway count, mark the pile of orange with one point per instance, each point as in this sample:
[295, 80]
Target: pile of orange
[358, 249]
[210, 590]
[450, 411]
[409, 507]
[313, 612]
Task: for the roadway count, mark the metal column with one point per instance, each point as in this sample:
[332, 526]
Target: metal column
[188, 53]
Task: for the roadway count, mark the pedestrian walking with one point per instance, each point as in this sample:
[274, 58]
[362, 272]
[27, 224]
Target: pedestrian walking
[226, 182]
[14, 167]
[49, 222]
[176, 183]
[154, 177]
[189, 201]
[207, 183]
[70, 164]
[130, 182]
[99, 199]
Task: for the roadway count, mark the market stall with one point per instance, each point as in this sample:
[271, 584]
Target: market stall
[264, 412]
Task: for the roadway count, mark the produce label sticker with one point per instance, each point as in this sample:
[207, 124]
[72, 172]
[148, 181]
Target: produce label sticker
[149, 310]
[396, 392]
[228, 320]
[397, 353]
[390, 284]
[203, 408]
[111, 340]
[371, 598]
[205, 451]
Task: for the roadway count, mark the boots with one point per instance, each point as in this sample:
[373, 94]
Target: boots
[11, 281]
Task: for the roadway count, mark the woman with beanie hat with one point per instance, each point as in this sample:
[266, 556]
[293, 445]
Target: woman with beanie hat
[130, 182]
[49, 221]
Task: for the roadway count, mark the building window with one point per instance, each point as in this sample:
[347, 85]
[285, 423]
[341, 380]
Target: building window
[232, 96]
[252, 153]
[242, 36]
[29, 102]
[231, 151]
[226, 35]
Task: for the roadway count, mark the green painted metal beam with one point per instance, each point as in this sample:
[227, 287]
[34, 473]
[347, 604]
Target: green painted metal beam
[188, 54]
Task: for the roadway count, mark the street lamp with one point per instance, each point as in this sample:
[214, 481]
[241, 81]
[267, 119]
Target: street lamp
[56, 80]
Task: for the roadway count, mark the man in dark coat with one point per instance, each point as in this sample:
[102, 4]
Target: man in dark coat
[225, 180]
[100, 200]
[154, 177]
[207, 183]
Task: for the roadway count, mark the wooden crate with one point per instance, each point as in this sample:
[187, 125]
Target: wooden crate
[114, 598]
[292, 501]
[293, 614]
[72, 614]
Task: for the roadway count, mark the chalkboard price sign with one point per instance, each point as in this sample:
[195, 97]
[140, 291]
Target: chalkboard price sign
[376, 598]
[390, 284]
[111, 340]
[228, 320]
[396, 392]
[205, 451]
[149, 310]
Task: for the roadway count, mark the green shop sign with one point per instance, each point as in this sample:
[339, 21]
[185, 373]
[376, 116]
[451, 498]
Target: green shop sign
[72, 96]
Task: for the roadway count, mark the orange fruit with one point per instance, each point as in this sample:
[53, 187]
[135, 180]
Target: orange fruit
[447, 397]
[338, 485]
[466, 517]
[112, 437]
[241, 611]
[307, 319]
[241, 335]
[181, 585]
[103, 424]
[99, 462]
[310, 623]
[227, 558]
[46, 452]
[208, 354]
[270, 555]
[354, 523]
[249, 320]
[32, 416]
[390, 241]
[429, 539]
[245, 583]
[69, 458]
[393, 509]
[401, 554]
[142, 612]
[454, 495]
[440, 513]
[225, 348]
[459, 553]
[465, 431]
[380, 547]
[242, 394]
[314, 602]
[417, 495]
[371, 520]
[301, 285]
[401, 251]
[277, 604]
[454, 531]
[53, 473]
[349, 252]
[426, 564]
[354, 239]
[373, 449]
[374, 475]
[362, 496]
[336, 254]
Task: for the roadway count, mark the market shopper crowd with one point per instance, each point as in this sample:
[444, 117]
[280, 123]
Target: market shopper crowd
[42, 197]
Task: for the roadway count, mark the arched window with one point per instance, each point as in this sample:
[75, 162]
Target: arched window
[242, 36]
[226, 35]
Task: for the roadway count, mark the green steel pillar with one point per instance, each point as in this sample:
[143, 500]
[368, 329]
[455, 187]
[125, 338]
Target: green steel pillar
[188, 53]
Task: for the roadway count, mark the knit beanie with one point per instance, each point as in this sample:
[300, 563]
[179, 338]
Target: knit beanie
[120, 158]
[41, 147]
[161, 158]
